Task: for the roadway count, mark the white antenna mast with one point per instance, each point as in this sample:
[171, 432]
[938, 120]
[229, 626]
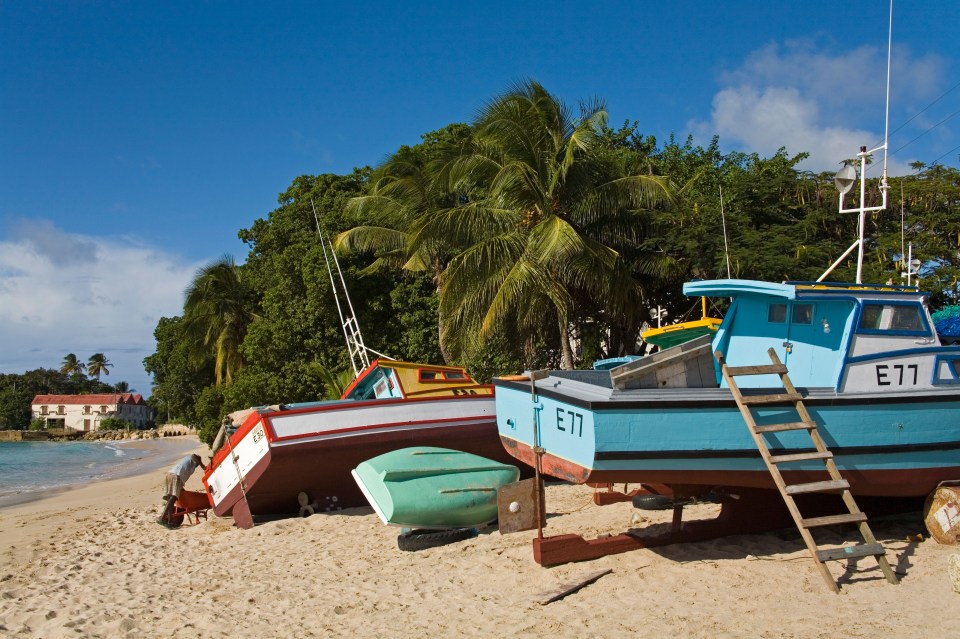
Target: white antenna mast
[723, 220]
[848, 175]
[351, 329]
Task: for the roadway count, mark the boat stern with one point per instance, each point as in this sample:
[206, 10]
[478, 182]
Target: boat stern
[528, 423]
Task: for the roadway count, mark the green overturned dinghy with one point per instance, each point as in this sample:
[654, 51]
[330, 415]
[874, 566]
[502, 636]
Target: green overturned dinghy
[434, 488]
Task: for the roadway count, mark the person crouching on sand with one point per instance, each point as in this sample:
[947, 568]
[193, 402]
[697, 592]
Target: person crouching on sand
[173, 483]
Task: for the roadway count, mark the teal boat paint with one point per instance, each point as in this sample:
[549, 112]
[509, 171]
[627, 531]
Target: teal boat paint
[883, 390]
[430, 487]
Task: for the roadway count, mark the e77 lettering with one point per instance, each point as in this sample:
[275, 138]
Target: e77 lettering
[570, 419]
[887, 373]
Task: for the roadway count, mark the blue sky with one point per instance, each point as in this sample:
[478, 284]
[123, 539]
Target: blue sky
[138, 138]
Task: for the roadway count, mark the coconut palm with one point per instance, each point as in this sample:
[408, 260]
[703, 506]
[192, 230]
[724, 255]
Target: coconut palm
[72, 365]
[546, 208]
[217, 311]
[401, 191]
[404, 191]
[98, 365]
[122, 387]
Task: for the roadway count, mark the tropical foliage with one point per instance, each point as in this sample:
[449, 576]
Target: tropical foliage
[217, 311]
[72, 365]
[98, 365]
[534, 236]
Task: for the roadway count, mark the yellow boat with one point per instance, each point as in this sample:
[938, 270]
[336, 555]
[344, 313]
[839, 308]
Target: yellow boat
[682, 332]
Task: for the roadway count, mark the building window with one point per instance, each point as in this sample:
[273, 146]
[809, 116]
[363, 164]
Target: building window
[86, 424]
[61, 410]
[43, 410]
[103, 409]
[86, 410]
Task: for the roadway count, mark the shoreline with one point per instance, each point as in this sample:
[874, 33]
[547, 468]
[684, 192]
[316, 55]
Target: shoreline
[160, 452]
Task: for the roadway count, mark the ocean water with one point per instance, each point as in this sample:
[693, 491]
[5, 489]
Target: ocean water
[28, 468]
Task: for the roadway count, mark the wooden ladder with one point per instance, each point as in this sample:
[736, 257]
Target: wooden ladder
[836, 483]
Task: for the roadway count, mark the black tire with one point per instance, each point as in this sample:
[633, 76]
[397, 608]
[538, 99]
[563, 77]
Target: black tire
[171, 521]
[652, 502]
[423, 539]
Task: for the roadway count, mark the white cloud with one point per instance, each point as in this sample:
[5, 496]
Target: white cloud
[66, 293]
[802, 97]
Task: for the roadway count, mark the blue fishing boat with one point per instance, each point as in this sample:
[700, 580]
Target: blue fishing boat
[883, 391]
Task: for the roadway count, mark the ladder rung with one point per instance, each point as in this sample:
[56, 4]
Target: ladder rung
[851, 552]
[780, 398]
[765, 369]
[830, 520]
[776, 428]
[781, 459]
[817, 487]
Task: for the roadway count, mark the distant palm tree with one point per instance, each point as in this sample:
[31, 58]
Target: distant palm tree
[121, 387]
[72, 366]
[217, 311]
[98, 365]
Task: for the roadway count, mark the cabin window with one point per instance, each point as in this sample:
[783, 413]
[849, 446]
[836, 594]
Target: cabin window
[802, 314]
[894, 318]
[777, 313]
[428, 376]
[453, 375]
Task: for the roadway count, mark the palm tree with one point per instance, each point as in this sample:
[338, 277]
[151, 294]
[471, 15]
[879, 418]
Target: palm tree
[545, 208]
[217, 311]
[122, 387]
[72, 366]
[403, 193]
[98, 365]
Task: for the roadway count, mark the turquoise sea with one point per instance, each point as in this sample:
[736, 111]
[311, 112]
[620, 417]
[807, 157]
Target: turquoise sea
[28, 469]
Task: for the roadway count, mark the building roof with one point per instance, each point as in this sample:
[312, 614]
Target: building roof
[101, 398]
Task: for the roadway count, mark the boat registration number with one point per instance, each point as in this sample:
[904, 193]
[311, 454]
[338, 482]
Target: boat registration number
[899, 374]
[568, 420]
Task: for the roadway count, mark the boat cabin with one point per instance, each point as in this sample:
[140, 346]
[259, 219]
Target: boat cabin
[847, 336]
[391, 379]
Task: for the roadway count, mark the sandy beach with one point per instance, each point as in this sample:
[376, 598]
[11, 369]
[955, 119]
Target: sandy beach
[92, 562]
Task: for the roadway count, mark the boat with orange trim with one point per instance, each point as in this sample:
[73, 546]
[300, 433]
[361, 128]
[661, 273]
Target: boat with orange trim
[281, 451]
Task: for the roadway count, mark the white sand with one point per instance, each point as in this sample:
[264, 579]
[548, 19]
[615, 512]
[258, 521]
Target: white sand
[93, 563]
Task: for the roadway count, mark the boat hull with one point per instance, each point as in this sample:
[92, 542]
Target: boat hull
[283, 453]
[431, 487]
[892, 444]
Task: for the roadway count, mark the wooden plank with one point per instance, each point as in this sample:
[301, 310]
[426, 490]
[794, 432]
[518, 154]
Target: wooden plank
[570, 588]
[782, 459]
[779, 398]
[851, 552]
[817, 487]
[763, 369]
[777, 428]
[830, 520]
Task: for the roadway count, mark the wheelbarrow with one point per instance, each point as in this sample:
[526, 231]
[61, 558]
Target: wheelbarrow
[191, 505]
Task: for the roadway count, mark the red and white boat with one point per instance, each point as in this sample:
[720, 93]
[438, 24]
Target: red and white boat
[281, 451]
